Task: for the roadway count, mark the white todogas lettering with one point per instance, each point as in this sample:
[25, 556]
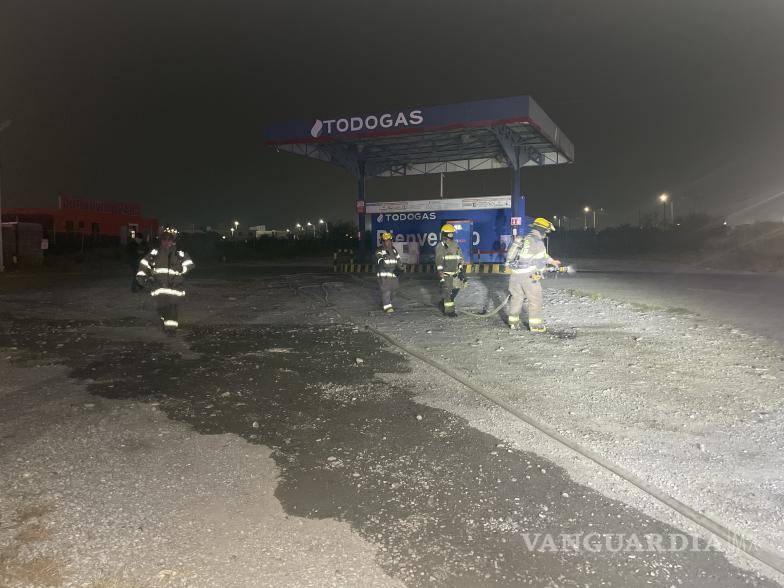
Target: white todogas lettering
[370, 122]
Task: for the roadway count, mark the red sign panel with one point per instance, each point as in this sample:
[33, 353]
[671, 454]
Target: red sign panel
[100, 206]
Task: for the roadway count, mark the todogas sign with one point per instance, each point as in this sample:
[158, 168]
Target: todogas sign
[357, 124]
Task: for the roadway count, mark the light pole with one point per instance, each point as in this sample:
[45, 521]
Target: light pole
[310, 224]
[326, 225]
[586, 210]
[663, 198]
[3, 127]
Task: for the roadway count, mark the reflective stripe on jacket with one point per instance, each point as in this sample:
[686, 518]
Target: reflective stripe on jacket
[164, 272]
[387, 262]
[449, 257]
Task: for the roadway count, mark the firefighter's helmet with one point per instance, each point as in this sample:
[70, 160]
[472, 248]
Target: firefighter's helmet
[543, 224]
[169, 233]
[447, 228]
[386, 236]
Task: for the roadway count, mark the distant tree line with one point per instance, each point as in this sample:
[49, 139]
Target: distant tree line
[697, 238]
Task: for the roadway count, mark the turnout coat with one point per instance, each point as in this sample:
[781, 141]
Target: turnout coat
[164, 272]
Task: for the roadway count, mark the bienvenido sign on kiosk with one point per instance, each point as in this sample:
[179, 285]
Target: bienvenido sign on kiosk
[419, 221]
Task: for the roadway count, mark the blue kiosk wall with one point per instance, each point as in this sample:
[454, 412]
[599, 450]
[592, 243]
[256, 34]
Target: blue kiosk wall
[421, 222]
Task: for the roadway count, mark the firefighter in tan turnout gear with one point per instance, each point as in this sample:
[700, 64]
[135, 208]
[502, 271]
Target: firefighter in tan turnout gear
[163, 271]
[388, 267]
[526, 259]
[450, 266]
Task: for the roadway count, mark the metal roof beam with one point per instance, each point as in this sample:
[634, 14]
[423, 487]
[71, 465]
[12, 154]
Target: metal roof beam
[345, 156]
[511, 142]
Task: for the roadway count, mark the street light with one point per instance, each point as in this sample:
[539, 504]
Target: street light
[3, 126]
[325, 223]
[664, 198]
[586, 210]
[310, 224]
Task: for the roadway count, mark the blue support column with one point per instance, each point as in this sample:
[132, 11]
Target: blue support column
[516, 189]
[512, 151]
[361, 233]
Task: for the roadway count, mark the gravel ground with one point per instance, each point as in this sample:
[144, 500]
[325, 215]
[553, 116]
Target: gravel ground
[109, 492]
[114, 493]
[691, 406]
[272, 444]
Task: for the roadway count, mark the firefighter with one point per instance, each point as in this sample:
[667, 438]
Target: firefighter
[163, 271]
[388, 267]
[526, 259]
[450, 267]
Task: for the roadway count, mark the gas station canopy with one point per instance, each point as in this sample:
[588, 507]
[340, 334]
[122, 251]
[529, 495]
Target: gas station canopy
[487, 134]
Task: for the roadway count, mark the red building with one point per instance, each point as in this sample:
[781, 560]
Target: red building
[86, 216]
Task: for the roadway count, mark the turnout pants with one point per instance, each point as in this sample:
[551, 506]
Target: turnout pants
[387, 286]
[449, 290]
[524, 288]
[168, 309]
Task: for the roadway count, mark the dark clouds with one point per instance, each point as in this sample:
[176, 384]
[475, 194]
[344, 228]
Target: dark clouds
[163, 102]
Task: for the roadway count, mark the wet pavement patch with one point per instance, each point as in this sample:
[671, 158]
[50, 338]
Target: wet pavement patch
[446, 504]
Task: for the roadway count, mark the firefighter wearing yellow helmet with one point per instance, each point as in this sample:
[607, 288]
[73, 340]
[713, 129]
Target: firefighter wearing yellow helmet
[449, 265]
[526, 259]
[388, 267]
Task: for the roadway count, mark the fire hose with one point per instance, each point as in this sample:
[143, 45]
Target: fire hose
[550, 269]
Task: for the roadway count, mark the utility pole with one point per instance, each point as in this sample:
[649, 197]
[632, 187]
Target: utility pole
[3, 127]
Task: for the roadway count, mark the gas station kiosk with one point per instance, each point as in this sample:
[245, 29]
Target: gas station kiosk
[483, 225]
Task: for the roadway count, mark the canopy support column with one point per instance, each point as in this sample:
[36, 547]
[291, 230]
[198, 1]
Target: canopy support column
[361, 229]
[512, 152]
[517, 201]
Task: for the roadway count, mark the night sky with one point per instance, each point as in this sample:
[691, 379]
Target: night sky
[163, 102]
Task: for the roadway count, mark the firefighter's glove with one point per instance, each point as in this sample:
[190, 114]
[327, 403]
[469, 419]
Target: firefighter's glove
[536, 277]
